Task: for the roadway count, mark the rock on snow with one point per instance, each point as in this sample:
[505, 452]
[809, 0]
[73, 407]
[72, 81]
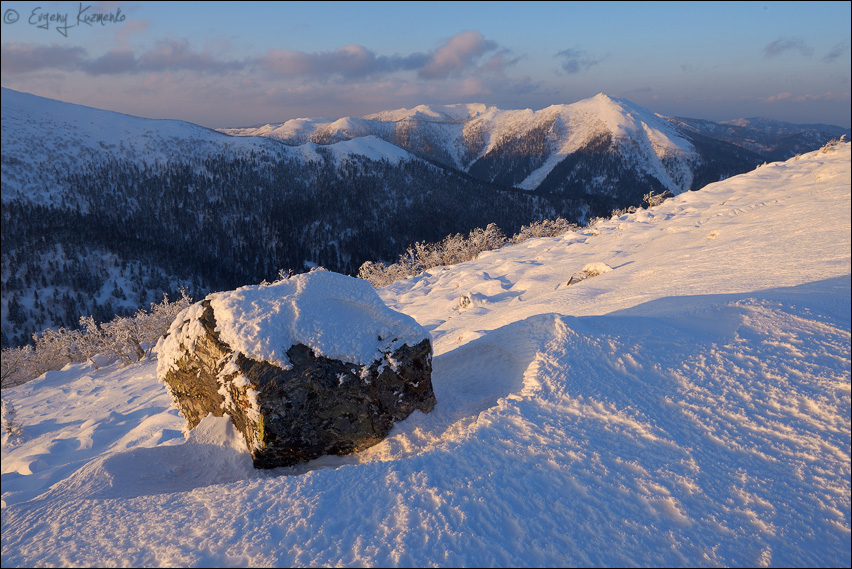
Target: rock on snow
[311, 365]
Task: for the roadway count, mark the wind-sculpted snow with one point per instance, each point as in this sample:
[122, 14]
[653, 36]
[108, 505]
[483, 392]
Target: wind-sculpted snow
[688, 407]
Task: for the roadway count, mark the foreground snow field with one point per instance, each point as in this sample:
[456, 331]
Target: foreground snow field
[691, 406]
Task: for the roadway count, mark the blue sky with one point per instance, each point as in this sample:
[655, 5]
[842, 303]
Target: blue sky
[237, 64]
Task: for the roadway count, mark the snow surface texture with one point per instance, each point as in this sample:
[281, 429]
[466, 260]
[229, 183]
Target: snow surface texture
[338, 317]
[691, 406]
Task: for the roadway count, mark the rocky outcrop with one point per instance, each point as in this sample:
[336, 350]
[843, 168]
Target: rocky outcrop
[305, 404]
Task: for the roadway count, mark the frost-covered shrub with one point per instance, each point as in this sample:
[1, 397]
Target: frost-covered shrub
[544, 228]
[17, 366]
[14, 428]
[128, 339]
[653, 200]
[623, 211]
[421, 256]
[832, 144]
[458, 248]
[53, 349]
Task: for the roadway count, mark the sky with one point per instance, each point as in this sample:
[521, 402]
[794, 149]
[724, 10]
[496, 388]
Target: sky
[222, 64]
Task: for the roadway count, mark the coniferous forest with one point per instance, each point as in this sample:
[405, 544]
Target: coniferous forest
[224, 222]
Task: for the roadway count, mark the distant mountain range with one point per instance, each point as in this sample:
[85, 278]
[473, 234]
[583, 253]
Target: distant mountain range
[775, 140]
[552, 150]
[104, 212]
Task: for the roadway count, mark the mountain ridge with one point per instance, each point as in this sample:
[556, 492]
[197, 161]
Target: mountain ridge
[42, 135]
[469, 136]
[453, 118]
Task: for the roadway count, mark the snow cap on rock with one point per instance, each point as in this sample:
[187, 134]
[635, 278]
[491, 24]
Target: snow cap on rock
[337, 316]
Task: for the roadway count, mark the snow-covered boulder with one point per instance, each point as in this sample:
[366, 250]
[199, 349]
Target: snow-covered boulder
[315, 364]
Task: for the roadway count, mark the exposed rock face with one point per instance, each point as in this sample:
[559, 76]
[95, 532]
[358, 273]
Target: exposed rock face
[302, 406]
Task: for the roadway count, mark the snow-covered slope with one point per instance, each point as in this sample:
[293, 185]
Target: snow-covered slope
[44, 140]
[643, 137]
[688, 407]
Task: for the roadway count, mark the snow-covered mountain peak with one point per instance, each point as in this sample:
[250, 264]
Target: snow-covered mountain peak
[433, 113]
[596, 124]
[742, 121]
[624, 119]
[775, 127]
[293, 130]
[522, 148]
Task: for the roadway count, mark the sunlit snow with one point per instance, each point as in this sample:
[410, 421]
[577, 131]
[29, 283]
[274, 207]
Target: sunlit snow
[690, 406]
[337, 316]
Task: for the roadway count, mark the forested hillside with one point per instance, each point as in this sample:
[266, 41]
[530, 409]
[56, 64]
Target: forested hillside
[226, 221]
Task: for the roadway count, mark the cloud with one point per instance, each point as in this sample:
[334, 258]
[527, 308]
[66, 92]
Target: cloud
[458, 54]
[177, 54]
[806, 98]
[112, 63]
[167, 55]
[351, 61]
[779, 46]
[129, 29]
[777, 97]
[498, 62]
[576, 60]
[464, 54]
[364, 97]
[836, 52]
[24, 58]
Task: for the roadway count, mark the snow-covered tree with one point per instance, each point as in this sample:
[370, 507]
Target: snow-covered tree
[14, 428]
[16, 366]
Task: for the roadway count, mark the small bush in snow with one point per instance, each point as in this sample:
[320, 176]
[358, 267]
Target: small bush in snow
[544, 228]
[832, 144]
[590, 270]
[14, 428]
[653, 200]
[595, 269]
